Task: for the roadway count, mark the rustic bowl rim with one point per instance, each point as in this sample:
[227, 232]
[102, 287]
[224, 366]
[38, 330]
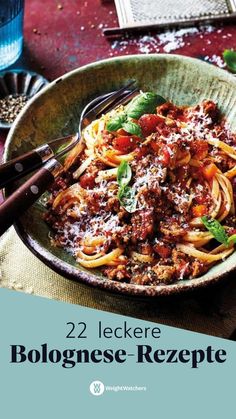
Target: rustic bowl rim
[68, 271]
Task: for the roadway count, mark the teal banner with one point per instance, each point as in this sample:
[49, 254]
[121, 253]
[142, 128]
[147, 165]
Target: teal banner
[63, 361]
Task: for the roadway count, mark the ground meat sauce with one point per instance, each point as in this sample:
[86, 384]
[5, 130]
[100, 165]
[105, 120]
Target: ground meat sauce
[172, 174]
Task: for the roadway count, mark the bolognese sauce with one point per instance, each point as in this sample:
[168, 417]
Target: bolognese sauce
[133, 200]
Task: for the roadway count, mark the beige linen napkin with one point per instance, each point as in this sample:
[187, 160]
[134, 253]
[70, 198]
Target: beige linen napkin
[211, 311]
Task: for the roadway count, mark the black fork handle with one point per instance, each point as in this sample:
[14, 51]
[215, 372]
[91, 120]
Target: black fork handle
[27, 194]
[26, 163]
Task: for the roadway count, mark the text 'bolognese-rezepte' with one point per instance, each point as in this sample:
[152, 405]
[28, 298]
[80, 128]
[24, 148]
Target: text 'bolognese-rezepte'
[148, 196]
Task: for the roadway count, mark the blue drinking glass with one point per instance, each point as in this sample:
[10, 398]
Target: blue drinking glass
[11, 31]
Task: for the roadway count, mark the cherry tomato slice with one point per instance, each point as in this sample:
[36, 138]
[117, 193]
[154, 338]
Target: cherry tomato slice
[87, 181]
[125, 143]
[164, 156]
[148, 123]
[155, 146]
[141, 151]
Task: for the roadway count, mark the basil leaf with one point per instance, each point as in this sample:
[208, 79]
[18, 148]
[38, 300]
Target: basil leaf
[216, 229]
[132, 128]
[230, 59]
[124, 174]
[127, 198]
[144, 103]
[126, 194]
[116, 122]
[232, 239]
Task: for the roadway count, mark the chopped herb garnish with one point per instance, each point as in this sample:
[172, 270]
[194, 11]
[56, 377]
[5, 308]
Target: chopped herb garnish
[127, 198]
[124, 174]
[218, 231]
[126, 194]
[230, 59]
[141, 104]
[116, 122]
[132, 128]
[144, 103]
[232, 239]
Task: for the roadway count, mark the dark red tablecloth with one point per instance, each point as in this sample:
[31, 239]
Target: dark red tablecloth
[63, 35]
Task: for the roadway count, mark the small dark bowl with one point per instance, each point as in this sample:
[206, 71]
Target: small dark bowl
[17, 82]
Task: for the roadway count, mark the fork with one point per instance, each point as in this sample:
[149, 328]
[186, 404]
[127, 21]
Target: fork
[20, 166]
[28, 193]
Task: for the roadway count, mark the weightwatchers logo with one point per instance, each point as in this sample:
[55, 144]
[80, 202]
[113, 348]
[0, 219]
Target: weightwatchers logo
[97, 388]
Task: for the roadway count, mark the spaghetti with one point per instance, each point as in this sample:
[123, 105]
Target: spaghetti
[132, 199]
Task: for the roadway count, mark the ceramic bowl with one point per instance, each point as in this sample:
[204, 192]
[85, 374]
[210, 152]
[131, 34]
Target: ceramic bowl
[15, 82]
[55, 111]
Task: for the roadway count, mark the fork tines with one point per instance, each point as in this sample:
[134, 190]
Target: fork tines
[116, 98]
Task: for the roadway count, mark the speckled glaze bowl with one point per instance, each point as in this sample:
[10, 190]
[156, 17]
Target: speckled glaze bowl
[55, 111]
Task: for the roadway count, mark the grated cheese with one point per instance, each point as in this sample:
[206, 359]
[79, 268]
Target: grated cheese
[168, 41]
